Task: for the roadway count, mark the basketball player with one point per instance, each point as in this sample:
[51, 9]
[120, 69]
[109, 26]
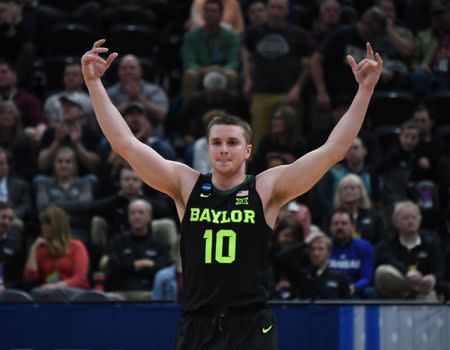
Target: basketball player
[227, 216]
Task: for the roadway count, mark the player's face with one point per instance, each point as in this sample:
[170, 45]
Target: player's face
[318, 253]
[228, 149]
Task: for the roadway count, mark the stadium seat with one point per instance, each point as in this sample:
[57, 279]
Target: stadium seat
[90, 296]
[139, 40]
[386, 137]
[390, 108]
[439, 105]
[68, 39]
[15, 296]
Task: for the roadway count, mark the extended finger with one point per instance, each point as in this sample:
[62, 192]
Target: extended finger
[97, 50]
[90, 58]
[378, 59]
[98, 43]
[369, 51]
[351, 61]
[111, 58]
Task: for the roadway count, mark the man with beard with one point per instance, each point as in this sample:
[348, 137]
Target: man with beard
[353, 257]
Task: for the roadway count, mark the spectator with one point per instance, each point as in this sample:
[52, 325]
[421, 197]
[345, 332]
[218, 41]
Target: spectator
[134, 258]
[16, 142]
[298, 211]
[11, 249]
[410, 264]
[287, 234]
[330, 12]
[57, 264]
[131, 87]
[331, 74]
[282, 140]
[209, 48]
[73, 83]
[13, 189]
[168, 284]
[351, 256]
[353, 163]
[74, 131]
[394, 173]
[213, 96]
[256, 13]
[352, 196]
[396, 46]
[31, 113]
[432, 52]
[66, 190]
[272, 67]
[232, 17]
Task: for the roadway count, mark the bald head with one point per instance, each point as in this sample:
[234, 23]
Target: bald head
[130, 68]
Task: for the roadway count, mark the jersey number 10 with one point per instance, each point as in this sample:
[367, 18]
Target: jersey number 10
[221, 235]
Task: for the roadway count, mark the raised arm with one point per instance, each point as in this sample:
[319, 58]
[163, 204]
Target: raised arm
[284, 183]
[172, 178]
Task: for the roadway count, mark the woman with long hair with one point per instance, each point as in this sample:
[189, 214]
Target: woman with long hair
[57, 265]
[351, 194]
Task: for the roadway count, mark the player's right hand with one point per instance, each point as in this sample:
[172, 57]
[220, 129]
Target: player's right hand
[93, 66]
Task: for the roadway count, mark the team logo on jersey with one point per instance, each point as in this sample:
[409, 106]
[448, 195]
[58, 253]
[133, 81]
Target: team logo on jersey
[241, 201]
[206, 187]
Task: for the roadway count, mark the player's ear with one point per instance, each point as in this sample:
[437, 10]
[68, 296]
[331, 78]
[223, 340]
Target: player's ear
[248, 151]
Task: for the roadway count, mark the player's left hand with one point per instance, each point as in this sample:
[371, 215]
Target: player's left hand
[368, 71]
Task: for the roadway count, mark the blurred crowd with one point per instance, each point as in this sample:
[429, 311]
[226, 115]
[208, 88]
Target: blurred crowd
[74, 217]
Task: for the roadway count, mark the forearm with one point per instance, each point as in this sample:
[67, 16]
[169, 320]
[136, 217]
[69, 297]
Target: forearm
[46, 156]
[156, 111]
[350, 124]
[111, 122]
[89, 159]
[403, 46]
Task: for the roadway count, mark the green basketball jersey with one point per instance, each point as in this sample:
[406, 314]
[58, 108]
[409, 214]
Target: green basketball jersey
[225, 244]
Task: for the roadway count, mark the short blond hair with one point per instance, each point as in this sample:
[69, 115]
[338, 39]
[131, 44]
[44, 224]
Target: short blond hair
[401, 205]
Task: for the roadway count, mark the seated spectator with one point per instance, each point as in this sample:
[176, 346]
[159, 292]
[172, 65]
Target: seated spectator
[13, 189]
[232, 17]
[131, 87]
[11, 249]
[213, 96]
[432, 54]
[298, 211]
[411, 263]
[29, 106]
[168, 283]
[282, 140]
[57, 266]
[209, 48]
[135, 257]
[314, 279]
[66, 190]
[72, 130]
[287, 233]
[355, 162]
[256, 12]
[17, 142]
[394, 172]
[352, 196]
[113, 207]
[351, 256]
[73, 82]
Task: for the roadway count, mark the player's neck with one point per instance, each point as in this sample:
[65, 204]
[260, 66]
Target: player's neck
[226, 182]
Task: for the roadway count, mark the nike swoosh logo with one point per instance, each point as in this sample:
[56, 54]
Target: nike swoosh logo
[205, 195]
[265, 330]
